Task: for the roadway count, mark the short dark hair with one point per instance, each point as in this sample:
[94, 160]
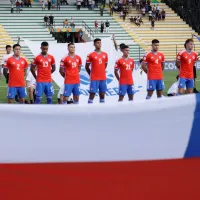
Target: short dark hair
[121, 45]
[188, 41]
[44, 44]
[141, 60]
[125, 47]
[8, 46]
[70, 44]
[155, 41]
[16, 45]
[97, 40]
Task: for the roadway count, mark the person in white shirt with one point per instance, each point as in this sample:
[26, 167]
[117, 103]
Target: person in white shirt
[173, 90]
[60, 95]
[30, 84]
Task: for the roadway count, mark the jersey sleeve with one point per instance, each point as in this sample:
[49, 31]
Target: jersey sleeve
[133, 64]
[62, 63]
[89, 58]
[26, 63]
[53, 62]
[34, 62]
[106, 58]
[117, 66]
[163, 58]
[178, 57]
[145, 58]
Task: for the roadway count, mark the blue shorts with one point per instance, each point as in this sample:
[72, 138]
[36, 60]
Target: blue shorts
[13, 91]
[98, 86]
[155, 85]
[71, 88]
[123, 89]
[184, 82]
[46, 88]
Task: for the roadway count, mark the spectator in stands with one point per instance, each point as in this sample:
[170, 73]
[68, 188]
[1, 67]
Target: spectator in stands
[124, 14]
[66, 24]
[140, 20]
[146, 8]
[78, 4]
[102, 27]
[159, 16]
[121, 14]
[90, 4]
[17, 6]
[131, 19]
[46, 20]
[58, 4]
[93, 4]
[101, 9]
[26, 3]
[72, 24]
[157, 8]
[153, 24]
[112, 8]
[150, 15]
[143, 11]
[43, 5]
[29, 3]
[51, 19]
[81, 35]
[49, 4]
[107, 23]
[137, 4]
[163, 14]
[137, 22]
[96, 26]
[148, 2]
[12, 8]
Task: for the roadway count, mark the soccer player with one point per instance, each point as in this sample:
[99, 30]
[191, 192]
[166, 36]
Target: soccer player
[17, 66]
[98, 61]
[185, 62]
[153, 64]
[45, 64]
[70, 66]
[125, 65]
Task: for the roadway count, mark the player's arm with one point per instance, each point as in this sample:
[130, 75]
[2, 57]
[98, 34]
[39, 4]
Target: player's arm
[5, 68]
[144, 66]
[33, 67]
[62, 71]
[178, 61]
[115, 43]
[53, 68]
[5, 73]
[116, 70]
[18, 40]
[87, 65]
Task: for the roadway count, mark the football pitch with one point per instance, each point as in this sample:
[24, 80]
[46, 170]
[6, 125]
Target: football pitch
[169, 79]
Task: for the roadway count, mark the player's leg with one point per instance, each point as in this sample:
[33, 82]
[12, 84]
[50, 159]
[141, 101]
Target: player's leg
[76, 93]
[93, 90]
[49, 91]
[130, 92]
[151, 86]
[39, 90]
[67, 92]
[11, 94]
[102, 91]
[21, 91]
[122, 91]
[30, 93]
[159, 88]
[181, 85]
[189, 86]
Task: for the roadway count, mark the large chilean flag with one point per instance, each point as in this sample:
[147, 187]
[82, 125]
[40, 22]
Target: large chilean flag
[141, 151]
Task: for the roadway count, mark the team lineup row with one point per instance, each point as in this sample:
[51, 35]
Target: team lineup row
[43, 66]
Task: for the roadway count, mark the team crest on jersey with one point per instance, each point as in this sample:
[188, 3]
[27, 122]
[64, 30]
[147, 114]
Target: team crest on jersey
[95, 57]
[13, 63]
[160, 57]
[77, 60]
[22, 62]
[49, 59]
[186, 57]
[131, 63]
[104, 57]
[124, 63]
[193, 57]
[70, 61]
[41, 60]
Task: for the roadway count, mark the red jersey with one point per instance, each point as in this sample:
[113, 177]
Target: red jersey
[187, 62]
[154, 61]
[43, 64]
[71, 66]
[126, 68]
[98, 65]
[16, 71]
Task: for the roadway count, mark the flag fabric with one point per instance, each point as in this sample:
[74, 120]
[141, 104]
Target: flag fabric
[198, 37]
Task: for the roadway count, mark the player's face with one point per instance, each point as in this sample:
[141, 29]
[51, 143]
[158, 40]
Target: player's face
[125, 52]
[71, 49]
[17, 51]
[155, 46]
[8, 50]
[97, 45]
[44, 49]
[190, 46]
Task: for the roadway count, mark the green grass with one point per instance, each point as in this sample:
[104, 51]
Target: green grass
[169, 78]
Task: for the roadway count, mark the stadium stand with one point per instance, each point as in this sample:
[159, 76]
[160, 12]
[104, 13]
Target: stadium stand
[29, 24]
[172, 32]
